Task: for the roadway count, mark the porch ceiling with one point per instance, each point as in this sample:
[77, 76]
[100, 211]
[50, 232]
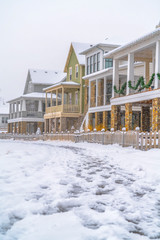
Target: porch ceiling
[143, 54]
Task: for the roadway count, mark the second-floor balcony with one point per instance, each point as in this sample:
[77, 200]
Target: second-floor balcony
[67, 98]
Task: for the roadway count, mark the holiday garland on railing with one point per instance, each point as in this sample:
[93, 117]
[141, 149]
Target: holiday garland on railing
[140, 82]
[121, 91]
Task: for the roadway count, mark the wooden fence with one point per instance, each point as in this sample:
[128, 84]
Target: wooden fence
[142, 141]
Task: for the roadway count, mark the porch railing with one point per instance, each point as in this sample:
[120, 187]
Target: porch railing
[66, 108]
[71, 108]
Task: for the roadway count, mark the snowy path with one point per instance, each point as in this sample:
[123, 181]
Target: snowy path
[67, 191]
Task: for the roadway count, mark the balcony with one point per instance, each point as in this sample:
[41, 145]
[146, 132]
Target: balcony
[66, 108]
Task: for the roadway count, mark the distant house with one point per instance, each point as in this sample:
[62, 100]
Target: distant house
[26, 111]
[4, 115]
[69, 109]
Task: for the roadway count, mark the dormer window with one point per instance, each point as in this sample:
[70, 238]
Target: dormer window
[70, 73]
[76, 71]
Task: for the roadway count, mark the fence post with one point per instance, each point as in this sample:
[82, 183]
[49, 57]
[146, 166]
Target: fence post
[142, 141]
[137, 139]
[146, 139]
[155, 133]
[102, 138]
[159, 139]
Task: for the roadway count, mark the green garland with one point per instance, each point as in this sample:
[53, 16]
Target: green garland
[121, 91]
[141, 83]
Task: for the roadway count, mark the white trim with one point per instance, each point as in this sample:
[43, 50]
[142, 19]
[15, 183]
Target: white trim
[100, 109]
[122, 50]
[138, 97]
[25, 120]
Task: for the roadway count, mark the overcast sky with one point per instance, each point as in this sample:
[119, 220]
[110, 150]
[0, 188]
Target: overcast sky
[37, 33]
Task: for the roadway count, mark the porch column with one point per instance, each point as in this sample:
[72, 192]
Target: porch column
[96, 120]
[23, 127]
[51, 99]
[62, 98]
[104, 93]
[153, 61]
[157, 64]
[105, 115]
[89, 95]
[156, 114]
[115, 76]
[16, 107]
[130, 74]
[24, 105]
[128, 116]
[145, 118]
[96, 92]
[40, 106]
[46, 103]
[45, 125]
[57, 97]
[90, 121]
[146, 71]
[115, 117]
[50, 125]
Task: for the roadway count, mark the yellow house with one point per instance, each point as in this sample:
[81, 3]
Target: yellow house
[68, 111]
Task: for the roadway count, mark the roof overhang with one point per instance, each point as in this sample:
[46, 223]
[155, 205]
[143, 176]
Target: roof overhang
[69, 84]
[136, 45]
[100, 46]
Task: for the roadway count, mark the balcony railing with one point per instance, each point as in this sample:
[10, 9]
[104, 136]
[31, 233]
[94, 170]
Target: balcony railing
[54, 109]
[71, 108]
[66, 108]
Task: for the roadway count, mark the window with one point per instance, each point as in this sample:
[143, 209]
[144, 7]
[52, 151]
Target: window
[98, 61]
[70, 73]
[88, 65]
[4, 119]
[94, 63]
[76, 71]
[76, 98]
[108, 63]
[91, 64]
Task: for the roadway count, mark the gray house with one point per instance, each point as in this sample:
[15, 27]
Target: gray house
[4, 115]
[26, 111]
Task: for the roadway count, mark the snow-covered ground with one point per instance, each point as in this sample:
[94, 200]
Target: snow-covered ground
[67, 191]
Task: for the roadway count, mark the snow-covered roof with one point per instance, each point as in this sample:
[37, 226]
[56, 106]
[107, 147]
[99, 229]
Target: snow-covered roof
[80, 47]
[4, 108]
[70, 83]
[33, 95]
[132, 43]
[46, 77]
[99, 45]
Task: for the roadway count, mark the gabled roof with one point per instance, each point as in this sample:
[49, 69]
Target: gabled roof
[33, 95]
[70, 83]
[46, 77]
[102, 46]
[78, 48]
